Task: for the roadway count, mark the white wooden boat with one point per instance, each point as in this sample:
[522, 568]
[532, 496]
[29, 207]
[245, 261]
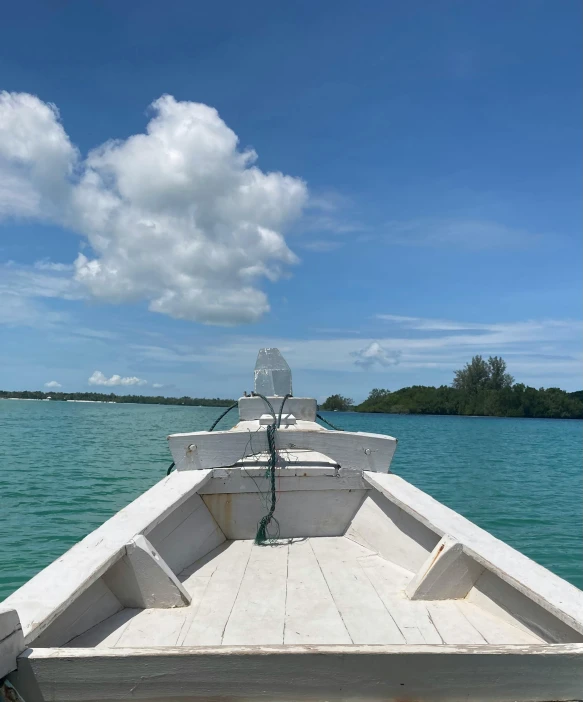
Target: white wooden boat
[372, 590]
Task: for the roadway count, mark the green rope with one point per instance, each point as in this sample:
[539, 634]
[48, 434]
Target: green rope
[170, 468]
[281, 408]
[214, 424]
[263, 535]
[328, 423]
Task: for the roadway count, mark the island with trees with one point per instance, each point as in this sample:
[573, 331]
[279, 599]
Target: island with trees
[481, 388]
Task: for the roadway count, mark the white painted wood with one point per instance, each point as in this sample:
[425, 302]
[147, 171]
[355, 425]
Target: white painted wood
[187, 534]
[142, 579]
[107, 633]
[363, 613]
[253, 425]
[153, 627]
[92, 606]
[302, 513]
[356, 450]
[11, 640]
[494, 629]
[217, 602]
[412, 618]
[451, 624]
[295, 461]
[311, 615]
[289, 673]
[40, 601]
[395, 535]
[254, 407]
[206, 565]
[546, 590]
[239, 480]
[258, 614]
[286, 420]
[197, 586]
[505, 602]
[447, 574]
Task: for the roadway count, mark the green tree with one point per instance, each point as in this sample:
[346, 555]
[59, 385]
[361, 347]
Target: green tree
[498, 377]
[473, 377]
[337, 402]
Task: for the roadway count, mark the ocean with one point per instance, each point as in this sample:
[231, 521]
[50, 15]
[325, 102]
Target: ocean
[66, 467]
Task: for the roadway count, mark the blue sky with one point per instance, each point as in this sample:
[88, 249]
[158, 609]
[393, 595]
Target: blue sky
[381, 190]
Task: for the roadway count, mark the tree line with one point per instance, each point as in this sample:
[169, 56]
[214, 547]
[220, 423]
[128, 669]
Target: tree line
[112, 397]
[482, 388]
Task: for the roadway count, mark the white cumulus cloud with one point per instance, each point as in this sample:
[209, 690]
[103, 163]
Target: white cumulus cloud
[374, 353]
[98, 378]
[53, 384]
[178, 216]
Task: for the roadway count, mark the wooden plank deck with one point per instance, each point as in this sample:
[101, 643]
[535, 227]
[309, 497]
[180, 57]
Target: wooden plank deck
[318, 591]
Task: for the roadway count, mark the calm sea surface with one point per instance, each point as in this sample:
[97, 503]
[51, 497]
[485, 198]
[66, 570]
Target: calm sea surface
[66, 467]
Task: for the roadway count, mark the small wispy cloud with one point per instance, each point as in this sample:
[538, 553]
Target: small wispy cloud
[53, 384]
[46, 265]
[321, 245]
[473, 234]
[374, 354]
[98, 378]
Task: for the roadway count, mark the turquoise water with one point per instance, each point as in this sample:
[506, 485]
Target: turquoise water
[66, 467]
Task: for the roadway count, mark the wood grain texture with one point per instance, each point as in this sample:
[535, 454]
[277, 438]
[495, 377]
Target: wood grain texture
[215, 607]
[43, 598]
[448, 573]
[501, 562]
[299, 513]
[288, 673]
[258, 614]
[363, 613]
[353, 450]
[11, 639]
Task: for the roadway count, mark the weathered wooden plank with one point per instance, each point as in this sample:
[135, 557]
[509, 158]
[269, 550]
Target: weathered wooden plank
[11, 640]
[412, 618]
[173, 537]
[284, 673]
[451, 624]
[300, 514]
[217, 602]
[237, 480]
[142, 579]
[92, 606]
[311, 616]
[494, 629]
[301, 407]
[501, 599]
[258, 614]
[107, 633]
[448, 573]
[206, 566]
[364, 615]
[562, 600]
[196, 585]
[388, 530]
[355, 450]
[40, 601]
[154, 627]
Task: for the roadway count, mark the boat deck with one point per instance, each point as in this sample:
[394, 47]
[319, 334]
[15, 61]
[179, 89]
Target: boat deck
[300, 591]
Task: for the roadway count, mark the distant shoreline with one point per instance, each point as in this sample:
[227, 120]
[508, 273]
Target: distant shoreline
[112, 398]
